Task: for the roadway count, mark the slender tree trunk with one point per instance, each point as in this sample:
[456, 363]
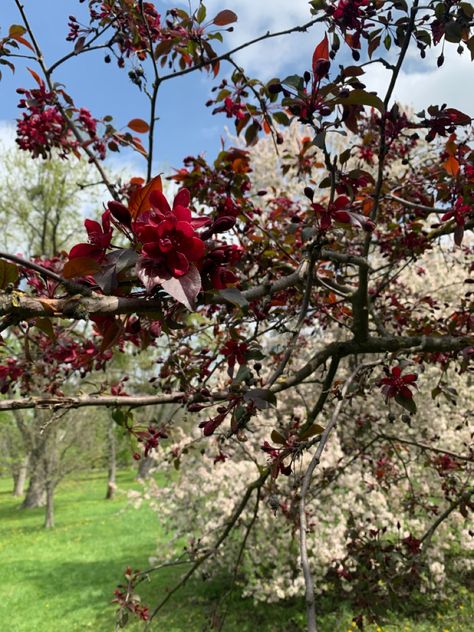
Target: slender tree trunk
[111, 486]
[19, 477]
[36, 492]
[49, 514]
[145, 467]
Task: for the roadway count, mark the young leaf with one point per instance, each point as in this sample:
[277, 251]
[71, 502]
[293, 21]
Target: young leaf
[321, 51]
[452, 166]
[225, 17]
[184, 289]
[140, 199]
[80, 266]
[138, 125]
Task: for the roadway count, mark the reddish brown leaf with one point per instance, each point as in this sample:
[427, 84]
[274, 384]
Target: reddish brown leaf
[184, 289]
[225, 17]
[36, 77]
[46, 326]
[140, 199]
[23, 41]
[321, 51]
[138, 125]
[80, 266]
[111, 334]
[452, 166]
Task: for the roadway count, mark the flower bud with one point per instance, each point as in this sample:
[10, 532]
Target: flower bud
[222, 224]
[120, 212]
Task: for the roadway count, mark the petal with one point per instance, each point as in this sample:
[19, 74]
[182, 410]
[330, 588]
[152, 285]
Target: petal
[342, 202]
[93, 228]
[182, 213]
[396, 371]
[183, 198]
[178, 264]
[85, 250]
[158, 200]
[185, 229]
[195, 249]
[343, 217]
[165, 228]
[410, 378]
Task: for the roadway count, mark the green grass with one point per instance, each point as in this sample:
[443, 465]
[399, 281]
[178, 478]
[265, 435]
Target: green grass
[62, 580]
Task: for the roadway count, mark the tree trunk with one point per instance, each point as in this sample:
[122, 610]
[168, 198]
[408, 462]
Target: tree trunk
[19, 477]
[111, 486]
[36, 493]
[49, 514]
[145, 467]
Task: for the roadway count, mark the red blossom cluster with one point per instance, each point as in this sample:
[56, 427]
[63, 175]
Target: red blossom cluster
[43, 126]
[168, 236]
[127, 600]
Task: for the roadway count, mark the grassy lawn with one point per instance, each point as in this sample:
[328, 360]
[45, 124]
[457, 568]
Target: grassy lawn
[62, 580]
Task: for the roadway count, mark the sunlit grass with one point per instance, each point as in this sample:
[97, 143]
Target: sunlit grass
[63, 580]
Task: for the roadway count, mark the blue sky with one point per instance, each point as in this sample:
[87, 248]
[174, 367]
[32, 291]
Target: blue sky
[186, 125]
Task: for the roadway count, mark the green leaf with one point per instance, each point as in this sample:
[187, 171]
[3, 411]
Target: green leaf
[281, 118]
[8, 273]
[360, 97]
[261, 397]
[201, 14]
[277, 437]
[313, 430]
[234, 296]
[407, 403]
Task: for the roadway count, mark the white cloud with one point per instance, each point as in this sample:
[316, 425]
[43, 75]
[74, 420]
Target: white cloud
[7, 134]
[419, 85]
[257, 17]
[426, 84]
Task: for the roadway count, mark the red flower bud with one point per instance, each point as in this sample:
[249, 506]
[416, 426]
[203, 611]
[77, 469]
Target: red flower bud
[120, 212]
[223, 223]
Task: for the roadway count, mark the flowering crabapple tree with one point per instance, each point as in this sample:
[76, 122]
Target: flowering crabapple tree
[219, 269]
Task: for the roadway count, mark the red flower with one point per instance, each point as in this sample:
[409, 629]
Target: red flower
[170, 243]
[396, 384]
[235, 352]
[100, 237]
[460, 211]
[340, 212]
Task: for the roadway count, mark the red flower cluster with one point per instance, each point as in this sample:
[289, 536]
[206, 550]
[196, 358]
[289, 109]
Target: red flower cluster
[43, 127]
[214, 265]
[169, 240]
[133, 36]
[397, 384]
[234, 352]
[349, 14]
